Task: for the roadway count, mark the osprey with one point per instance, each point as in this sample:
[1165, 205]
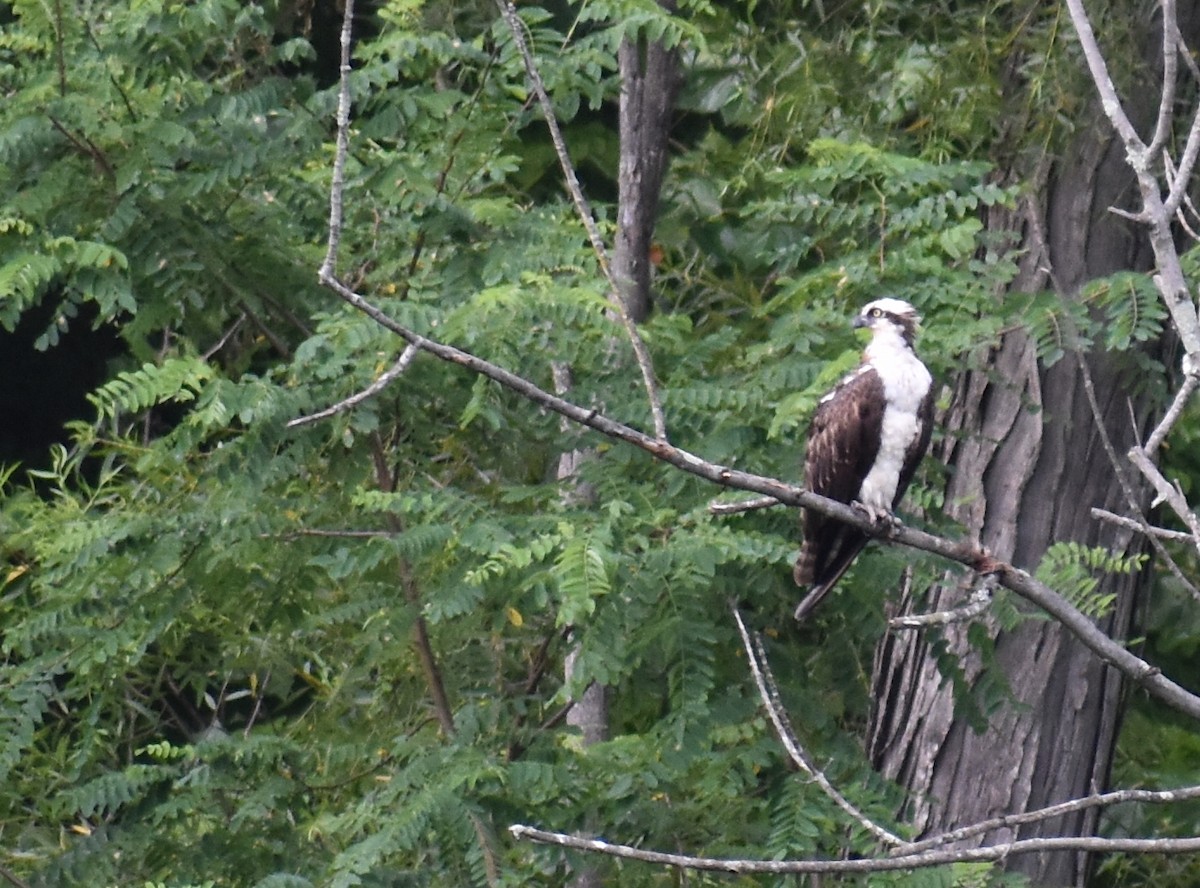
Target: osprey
[865, 442]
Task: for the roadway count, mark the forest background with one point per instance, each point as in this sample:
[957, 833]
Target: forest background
[242, 649]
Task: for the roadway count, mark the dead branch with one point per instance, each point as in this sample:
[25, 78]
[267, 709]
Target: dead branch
[385, 379]
[1097, 800]
[922, 860]
[1141, 526]
[584, 211]
[1156, 213]
[717, 507]
[337, 185]
[1190, 381]
[1167, 492]
[978, 602]
[768, 691]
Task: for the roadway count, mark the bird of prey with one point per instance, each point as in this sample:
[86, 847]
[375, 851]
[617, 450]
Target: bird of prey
[866, 439]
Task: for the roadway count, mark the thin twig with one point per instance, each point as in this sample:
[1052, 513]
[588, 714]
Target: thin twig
[258, 702]
[332, 534]
[768, 690]
[1170, 177]
[1097, 800]
[1162, 533]
[85, 146]
[979, 601]
[1166, 492]
[12, 878]
[337, 186]
[385, 379]
[584, 210]
[225, 337]
[1190, 381]
[1166, 104]
[717, 507]
[1191, 149]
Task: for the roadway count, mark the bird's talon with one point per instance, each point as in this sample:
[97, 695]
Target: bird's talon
[879, 517]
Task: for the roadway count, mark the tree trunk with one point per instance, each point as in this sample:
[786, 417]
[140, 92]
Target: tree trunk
[1027, 465]
[650, 80]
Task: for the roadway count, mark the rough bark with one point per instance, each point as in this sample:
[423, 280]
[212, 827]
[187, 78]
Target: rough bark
[650, 80]
[1027, 465]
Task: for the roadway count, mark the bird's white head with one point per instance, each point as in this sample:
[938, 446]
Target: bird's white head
[889, 317]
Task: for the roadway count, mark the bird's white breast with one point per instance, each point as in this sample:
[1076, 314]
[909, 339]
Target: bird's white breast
[906, 382]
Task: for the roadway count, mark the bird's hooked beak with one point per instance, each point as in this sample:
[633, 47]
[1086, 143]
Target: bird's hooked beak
[859, 321]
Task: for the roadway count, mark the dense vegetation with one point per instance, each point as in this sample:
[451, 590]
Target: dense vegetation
[241, 653]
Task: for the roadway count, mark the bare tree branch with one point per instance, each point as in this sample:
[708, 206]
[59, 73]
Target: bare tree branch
[768, 690]
[978, 602]
[337, 186]
[1097, 800]
[1141, 526]
[1135, 149]
[924, 853]
[584, 210]
[1170, 280]
[1170, 56]
[717, 507]
[225, 337]
[1190, 381]
[385, 379]
[12, 879]
[868, 865]
[1187, 161]
[1167, 492]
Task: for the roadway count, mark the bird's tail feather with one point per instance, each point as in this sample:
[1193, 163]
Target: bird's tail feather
[811, 600]
[819, 590]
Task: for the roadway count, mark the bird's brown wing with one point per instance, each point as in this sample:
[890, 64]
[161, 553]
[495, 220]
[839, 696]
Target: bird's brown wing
[843, 441]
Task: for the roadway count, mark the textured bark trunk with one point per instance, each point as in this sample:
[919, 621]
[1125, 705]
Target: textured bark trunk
[1027, 465]
[650, 80]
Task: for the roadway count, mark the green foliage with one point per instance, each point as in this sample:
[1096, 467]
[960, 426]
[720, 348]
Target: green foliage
[1074, 571]
[1115, 313]
[219, 631]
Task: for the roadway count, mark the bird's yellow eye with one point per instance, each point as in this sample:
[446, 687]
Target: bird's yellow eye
[877, 312]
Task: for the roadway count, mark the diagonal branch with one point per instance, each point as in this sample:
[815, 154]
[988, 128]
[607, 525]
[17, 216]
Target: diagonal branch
[1162, 533]
[1187, 161]
[1190, 381]
[1167, 492]
[385, 379]
[963, 552]
[1135, 148]
[584, 210]
[768, 690]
